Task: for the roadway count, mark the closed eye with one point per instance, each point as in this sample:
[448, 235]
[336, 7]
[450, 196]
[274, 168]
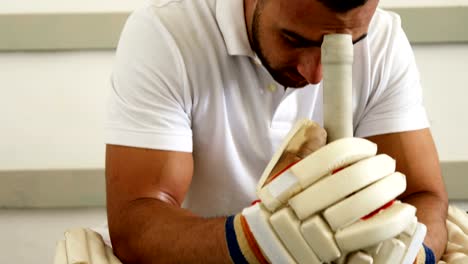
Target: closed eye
[297, 41]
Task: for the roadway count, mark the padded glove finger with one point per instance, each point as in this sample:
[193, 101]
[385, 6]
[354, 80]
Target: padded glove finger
[321, 163]
[334, 188]
[251, 239]
[386, 224]
[365, 201]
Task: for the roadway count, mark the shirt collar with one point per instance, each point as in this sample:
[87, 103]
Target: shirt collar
[231, 22]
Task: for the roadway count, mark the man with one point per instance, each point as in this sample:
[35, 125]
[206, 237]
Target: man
[204, 91]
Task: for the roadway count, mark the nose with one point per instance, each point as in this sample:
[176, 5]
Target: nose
[310, 67]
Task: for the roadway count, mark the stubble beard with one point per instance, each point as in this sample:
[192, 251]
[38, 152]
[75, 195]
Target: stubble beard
[280, 76]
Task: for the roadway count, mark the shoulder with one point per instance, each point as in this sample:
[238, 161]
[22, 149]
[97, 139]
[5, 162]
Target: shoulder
[183, 19]
[168, 32]
[384, 18]
[384, 29]
[387, 46]
[186, 26]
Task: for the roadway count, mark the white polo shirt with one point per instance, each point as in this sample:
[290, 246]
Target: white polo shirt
[186, 79]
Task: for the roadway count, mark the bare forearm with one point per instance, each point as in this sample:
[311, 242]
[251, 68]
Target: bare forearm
[432, 211]
[151, 231]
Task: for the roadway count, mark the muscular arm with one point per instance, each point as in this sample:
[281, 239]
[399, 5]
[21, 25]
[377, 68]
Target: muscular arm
[417, 158]
[145, 189]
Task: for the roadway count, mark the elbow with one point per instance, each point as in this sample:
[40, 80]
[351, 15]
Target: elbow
[122, 243]
[438, 195]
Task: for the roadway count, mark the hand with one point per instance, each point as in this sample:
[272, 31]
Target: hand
[312, 213]
[245, 246]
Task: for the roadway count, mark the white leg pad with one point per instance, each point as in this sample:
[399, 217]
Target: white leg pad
[322, 162]
[455, 257]
[61, 253]
[460, 260]
[414, 243]
[385, 225]
[391, 252]
[258, 219]
[77, 246]
[360, 258]
[457, 216]
[320, 238]
[111, 257]
[97, 250]
[287, 227]
[337, 186]
[365, 201]
[454, 247]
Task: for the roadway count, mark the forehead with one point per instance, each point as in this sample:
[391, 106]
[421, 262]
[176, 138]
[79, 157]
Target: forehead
[308, 15]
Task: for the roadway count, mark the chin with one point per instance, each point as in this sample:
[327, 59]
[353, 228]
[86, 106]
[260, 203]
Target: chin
[291, 83]
[299, 85]
[286, 77]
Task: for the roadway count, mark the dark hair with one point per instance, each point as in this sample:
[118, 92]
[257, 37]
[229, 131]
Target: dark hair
[342, 6]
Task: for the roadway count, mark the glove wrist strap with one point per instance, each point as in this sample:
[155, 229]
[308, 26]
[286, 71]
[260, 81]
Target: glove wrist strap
[241, 243]
[425, 256]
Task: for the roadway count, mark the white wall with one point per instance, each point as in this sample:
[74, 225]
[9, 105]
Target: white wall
[444, 74]
[52, 103]
[48, 6]
[422, 3]
[67, 6]
[52, 106]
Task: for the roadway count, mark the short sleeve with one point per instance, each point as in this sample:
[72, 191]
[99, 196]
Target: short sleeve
[396, 104]
[149, 105]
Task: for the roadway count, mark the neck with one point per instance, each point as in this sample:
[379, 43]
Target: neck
[249, 7]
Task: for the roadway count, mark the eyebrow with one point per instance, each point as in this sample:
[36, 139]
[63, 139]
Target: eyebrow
[313, 43]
